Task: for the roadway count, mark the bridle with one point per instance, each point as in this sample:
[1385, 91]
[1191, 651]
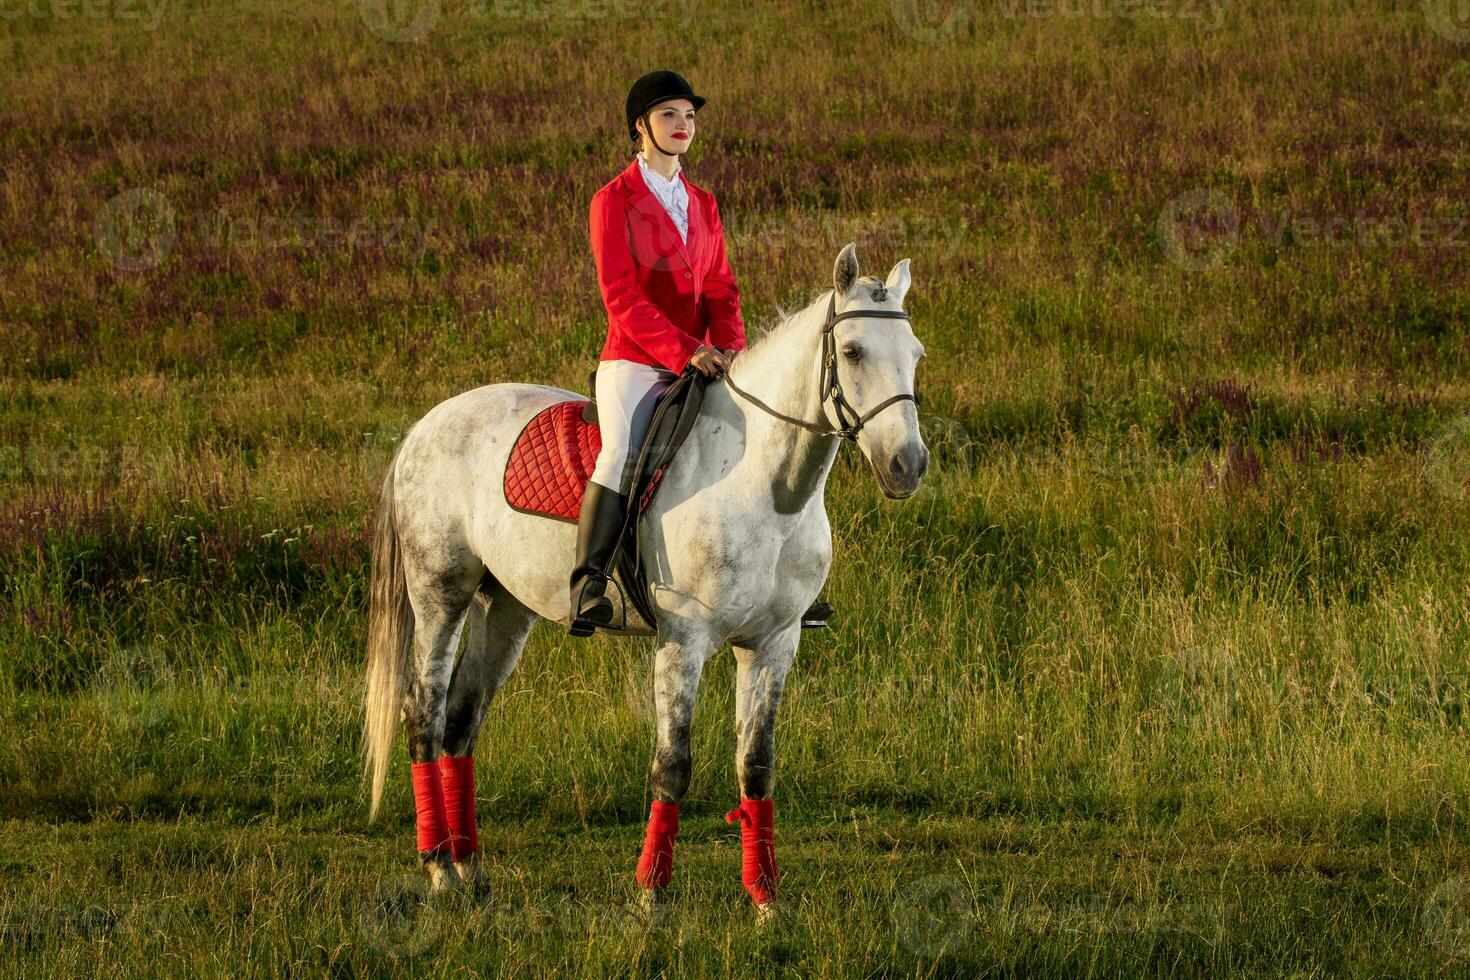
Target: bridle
[831, 385]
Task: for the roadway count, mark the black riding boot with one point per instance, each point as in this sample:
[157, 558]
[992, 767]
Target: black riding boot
[817, 615]
[598, 524]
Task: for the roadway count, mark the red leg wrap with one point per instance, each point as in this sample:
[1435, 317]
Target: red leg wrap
[656, 865]
[757, 847]
[428, 799]
[459, 804]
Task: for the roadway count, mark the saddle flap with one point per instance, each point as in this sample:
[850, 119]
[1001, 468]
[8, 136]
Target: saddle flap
[552, 459]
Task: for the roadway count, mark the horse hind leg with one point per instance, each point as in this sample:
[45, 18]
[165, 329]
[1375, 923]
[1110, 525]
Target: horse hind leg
[498, 625]
[441, 601]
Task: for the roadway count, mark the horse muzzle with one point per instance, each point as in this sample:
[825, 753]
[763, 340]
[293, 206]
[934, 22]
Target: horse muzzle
[900, 474]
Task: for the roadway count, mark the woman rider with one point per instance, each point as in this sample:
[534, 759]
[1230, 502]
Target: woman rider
[671, 302]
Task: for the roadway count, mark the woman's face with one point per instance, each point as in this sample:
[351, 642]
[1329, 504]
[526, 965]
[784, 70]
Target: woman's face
[673, 125]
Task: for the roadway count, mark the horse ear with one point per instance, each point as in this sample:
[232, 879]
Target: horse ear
[845, 272]
[898, 280]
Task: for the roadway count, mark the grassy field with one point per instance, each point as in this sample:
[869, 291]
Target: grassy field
[1163, 672]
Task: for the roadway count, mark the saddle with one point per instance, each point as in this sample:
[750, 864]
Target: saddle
[553, 457]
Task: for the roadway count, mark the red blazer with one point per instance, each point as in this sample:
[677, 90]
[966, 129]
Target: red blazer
[664, 297]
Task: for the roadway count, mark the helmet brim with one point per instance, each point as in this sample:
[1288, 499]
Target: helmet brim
[696, 100]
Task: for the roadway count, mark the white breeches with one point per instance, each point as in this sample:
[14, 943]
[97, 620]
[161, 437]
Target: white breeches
[626, 392]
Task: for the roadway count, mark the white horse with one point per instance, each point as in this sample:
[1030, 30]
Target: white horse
[736, 541]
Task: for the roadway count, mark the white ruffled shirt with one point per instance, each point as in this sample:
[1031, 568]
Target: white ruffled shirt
[672, 194]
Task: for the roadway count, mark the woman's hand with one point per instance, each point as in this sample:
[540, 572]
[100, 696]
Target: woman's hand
[709, 361]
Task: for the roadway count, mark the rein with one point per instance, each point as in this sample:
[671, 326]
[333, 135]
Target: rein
[831, 385]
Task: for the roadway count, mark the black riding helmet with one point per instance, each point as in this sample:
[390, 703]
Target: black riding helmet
[649, 91]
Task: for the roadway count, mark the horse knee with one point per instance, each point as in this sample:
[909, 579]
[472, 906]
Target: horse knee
[671, 772]
[756, 768]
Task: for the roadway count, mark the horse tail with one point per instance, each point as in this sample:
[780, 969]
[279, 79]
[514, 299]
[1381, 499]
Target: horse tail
[389, 643]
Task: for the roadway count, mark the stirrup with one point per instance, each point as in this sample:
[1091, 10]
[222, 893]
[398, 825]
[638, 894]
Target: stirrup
[816, 617]
[586, 623]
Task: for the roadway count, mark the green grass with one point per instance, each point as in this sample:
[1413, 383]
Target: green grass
[1164, 671]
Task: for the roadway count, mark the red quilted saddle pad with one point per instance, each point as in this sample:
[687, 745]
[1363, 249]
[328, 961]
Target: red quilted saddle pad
[551, 461]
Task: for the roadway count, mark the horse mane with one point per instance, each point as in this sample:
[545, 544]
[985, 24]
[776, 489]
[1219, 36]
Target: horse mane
[784, 318]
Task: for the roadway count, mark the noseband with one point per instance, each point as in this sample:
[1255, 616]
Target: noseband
[831, 385]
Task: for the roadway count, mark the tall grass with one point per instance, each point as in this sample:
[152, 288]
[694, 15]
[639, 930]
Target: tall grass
[1164, 670]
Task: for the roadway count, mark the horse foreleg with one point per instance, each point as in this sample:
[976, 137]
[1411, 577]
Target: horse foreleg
[760, 677]
[677, 668]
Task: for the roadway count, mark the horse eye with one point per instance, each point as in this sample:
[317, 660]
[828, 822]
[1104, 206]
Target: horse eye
[852, 353]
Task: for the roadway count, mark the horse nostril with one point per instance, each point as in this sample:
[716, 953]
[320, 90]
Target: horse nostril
[899, 465]
[923, 466]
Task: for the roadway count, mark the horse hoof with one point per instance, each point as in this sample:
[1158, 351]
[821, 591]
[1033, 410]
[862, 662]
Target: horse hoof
[768, 914]
[473, 875]
[654, 904]
[443, 876]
